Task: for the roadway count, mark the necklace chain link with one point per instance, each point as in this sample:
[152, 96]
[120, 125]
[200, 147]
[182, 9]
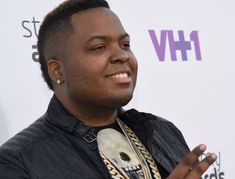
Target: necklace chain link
[116, 173]
[148, 157]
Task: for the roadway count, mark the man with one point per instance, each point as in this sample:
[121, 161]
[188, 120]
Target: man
[86, 60]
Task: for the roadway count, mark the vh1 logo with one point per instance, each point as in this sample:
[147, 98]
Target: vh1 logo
[182, 45]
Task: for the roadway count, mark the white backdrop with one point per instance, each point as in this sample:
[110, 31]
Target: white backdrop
[197, 95]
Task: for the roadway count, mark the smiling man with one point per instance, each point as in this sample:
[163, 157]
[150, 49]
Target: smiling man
[86, 60]
[97, 70]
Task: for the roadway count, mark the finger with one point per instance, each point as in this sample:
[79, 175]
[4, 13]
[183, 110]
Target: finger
[188, 162]
[202, 166]
[190, 159]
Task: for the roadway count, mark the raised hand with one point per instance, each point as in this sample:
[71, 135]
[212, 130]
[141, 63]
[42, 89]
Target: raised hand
[191, 167]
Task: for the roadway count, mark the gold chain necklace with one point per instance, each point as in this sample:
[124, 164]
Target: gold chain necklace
[114, 171]
[141, 151]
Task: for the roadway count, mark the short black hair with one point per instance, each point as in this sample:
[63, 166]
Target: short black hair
[56, 29]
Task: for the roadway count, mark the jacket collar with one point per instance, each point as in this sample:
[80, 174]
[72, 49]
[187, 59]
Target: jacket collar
[60, 117]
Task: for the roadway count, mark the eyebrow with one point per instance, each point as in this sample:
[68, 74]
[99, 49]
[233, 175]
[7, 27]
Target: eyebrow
[101, 37]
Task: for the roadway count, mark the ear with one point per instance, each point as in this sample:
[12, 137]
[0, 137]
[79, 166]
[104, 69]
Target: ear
[55, 70]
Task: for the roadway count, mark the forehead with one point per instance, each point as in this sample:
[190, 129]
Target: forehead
[96, 20]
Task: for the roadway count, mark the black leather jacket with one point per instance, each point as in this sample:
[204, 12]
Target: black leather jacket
[59, 146]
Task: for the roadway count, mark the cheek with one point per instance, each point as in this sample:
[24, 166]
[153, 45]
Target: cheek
[80, 84]
[76, 67]
[83, 75]
[134, 65]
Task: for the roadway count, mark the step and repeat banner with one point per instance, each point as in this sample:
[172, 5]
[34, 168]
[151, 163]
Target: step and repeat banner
[185, 50]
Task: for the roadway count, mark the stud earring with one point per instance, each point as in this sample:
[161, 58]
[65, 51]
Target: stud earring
[59, 82]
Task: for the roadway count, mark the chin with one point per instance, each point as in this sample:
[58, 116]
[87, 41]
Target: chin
[123, 101]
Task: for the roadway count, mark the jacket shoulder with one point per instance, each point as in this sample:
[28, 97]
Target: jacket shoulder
[11, 160]
[163, 135]
[143, 116]
[36, 131]
[157, 123]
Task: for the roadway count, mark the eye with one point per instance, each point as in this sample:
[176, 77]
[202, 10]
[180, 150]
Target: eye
[98, 48]
[126, 45]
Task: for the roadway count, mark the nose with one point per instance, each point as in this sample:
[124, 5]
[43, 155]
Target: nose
[119, 55]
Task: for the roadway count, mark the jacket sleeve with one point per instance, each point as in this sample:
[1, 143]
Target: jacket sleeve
[11, 168]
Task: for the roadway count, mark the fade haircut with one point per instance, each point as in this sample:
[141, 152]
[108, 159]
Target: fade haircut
[56, 29]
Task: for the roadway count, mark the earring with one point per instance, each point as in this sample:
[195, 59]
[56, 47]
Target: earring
[59, 82]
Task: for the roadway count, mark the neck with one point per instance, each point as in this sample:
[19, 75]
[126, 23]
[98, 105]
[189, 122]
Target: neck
[90, 115]
[95, 117]
[96, 120]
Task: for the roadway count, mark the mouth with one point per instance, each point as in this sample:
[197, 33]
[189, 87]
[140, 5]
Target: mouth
[121, 77]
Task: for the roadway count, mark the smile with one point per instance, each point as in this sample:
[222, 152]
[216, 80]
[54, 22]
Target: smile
[120, 75]
[122, 78]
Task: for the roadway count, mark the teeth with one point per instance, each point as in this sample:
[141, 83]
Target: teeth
[121, 75]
